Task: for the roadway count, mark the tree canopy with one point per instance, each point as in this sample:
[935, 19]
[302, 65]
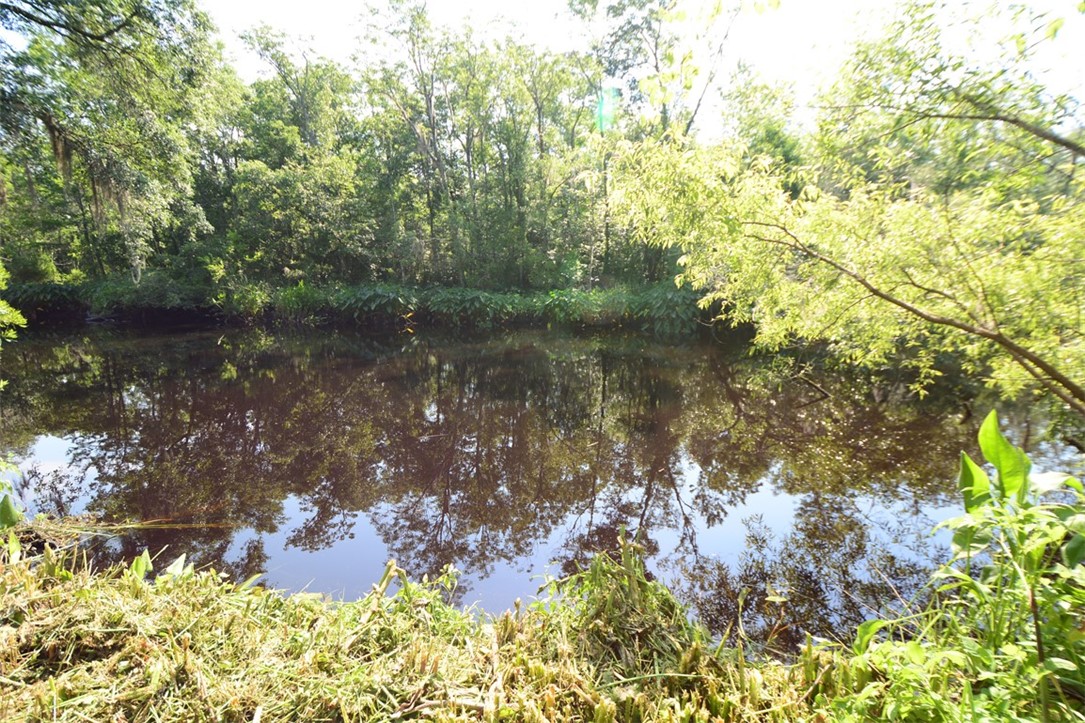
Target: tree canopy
[940, 215]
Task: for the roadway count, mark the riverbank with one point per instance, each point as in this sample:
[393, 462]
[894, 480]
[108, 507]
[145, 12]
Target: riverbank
[662, 309]
[604, 645]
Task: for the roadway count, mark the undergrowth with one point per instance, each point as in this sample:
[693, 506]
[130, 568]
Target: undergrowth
[607, 645]
[664, 309]
[1002, 639]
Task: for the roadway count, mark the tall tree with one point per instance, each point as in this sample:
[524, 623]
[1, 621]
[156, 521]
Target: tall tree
[106, 84]
[953, 225]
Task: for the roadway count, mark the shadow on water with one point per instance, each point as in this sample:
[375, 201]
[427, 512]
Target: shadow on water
[316, 457]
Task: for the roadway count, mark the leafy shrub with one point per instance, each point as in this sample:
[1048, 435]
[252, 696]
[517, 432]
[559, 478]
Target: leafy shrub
[667, 310]
[470, 307]
[302, 303]
[369, 302]
[1004, 638]
[47, 298]
[241, 300]
[156, 291]
[565, 306]
[31, 265]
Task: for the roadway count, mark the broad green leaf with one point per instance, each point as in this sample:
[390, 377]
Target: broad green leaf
[1049, 482]
[970, 540]
[1075, 523]
[177, 567]
[865, 634]
[1057, 664]
[9, 513]
[1073, 552]
[973, 483]
[142, 565]
[14, 548]
[1011, 462]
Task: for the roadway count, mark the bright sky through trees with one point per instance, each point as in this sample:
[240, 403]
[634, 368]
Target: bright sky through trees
[800, 42]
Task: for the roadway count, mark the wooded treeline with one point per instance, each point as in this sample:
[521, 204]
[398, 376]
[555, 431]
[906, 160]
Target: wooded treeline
[131, 149]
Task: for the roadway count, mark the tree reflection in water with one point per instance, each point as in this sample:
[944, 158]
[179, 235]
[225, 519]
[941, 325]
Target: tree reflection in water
[481, 454]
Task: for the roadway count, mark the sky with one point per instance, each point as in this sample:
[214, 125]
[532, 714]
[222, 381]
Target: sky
[800, 43]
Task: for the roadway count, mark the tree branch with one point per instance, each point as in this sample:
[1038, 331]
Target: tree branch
[1051, 378]
[66, 28]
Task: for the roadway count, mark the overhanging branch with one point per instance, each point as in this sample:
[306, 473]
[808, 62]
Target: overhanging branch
[1046, 373]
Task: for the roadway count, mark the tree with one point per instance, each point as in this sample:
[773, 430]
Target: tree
[9, 317]
[952, 225]
[657, 49]
[107, 86]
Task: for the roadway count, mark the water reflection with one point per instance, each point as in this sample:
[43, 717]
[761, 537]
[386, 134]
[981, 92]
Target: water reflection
[317, 457]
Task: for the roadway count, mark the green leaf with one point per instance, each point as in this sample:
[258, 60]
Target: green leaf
[1057, 664]
[1049, 482]
[141, 565]
[1054, 27]
[1075, 522]
[865, 634]
[1011, 462]
[177, 567]
[970, 540]
[14, 548]
[1073, 552]
[9, 513]
[250, 582]
[973, 483]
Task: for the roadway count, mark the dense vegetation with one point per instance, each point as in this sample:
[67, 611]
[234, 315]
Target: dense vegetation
[934, 218]
[138, 155]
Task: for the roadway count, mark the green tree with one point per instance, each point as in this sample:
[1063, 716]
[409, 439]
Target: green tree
[107, 87]
[954, 224]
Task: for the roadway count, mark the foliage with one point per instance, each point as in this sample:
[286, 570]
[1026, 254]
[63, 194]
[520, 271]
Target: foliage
[49, 298]
[471, 306]
[95, 113]
[668, 310]
[888, 254]
[1002, 639]
[129, 147]
[156, 291]
[445, 161]
[9, 317]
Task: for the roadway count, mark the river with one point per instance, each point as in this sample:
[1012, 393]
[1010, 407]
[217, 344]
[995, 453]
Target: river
[315, 457]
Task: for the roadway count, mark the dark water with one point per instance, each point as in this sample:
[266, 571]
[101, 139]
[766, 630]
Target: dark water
[315, 458]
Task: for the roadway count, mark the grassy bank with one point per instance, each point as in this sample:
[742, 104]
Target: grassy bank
[661, 309]
[1002, 638]
[191, 646]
